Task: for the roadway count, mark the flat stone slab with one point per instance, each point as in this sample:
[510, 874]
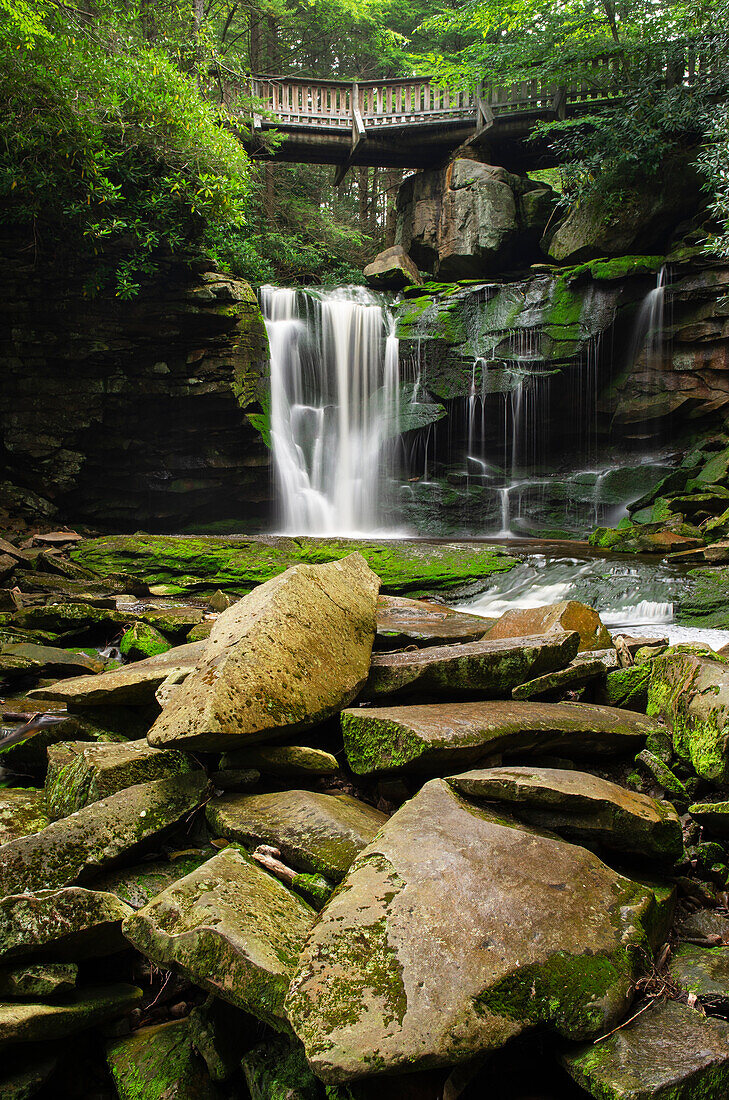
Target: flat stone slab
[162, 1058]
[713, 815]
[580, 806]
[455, 930]
[435, 736]
[402, 622]
[38, 981]
[132, 685]
[22, 811]
[669, 1051]
[490, 668]
[316, 833]
[284, 658]
[703, 971]
[566, 615]
[80, 773]
[231, 928]
[75, 848]
[283, 760]
[27, 659]
[24, 1023]
[575, 675]
[138, 885]
[71, 923]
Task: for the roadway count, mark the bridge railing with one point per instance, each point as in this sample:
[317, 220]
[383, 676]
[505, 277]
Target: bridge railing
[296, 102]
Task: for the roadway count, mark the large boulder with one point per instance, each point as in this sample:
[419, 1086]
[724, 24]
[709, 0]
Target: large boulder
[316, 833]
[691, 693]
[580, 806]
[231, 928]
[441, 735]
[287, 656]
[471, 219]
[75, 848]
[457, 929]
[567, 615]
[491, 668]
[392, 270]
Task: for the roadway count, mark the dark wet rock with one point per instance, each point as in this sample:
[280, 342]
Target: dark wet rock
[670, 1050]
[692, 693]
[136, 886]
[40, 661]
[235, 779]
[219, 1032]
[286, 657]
[279, 1069]
[68, 620]
[38, 981]
[392, 270]
[703, 924]
[402, 622]
[23, 1023]
[567, 615]
[232, 929]
[436, 736]
[489, 668]
[142, 640]
[22, 812]
[77, 847]
[580, 806]
[316, 833]
[80, 773]
[70, 923]
[132, 685]
[419, 962]
[553, 684]
[713, 815]
[664, 776]
[703, 971]
[159, 1062]
[24, 1074]
[284, 760]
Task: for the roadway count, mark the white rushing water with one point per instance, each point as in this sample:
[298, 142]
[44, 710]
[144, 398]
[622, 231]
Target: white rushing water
[334, 407]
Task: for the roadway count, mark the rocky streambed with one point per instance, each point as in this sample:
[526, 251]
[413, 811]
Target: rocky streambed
[325, 841]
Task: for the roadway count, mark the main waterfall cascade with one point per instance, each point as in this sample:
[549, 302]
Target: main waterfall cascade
[360, 447]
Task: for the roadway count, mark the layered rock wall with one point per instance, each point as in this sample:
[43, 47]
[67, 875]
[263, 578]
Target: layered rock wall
[131, 413]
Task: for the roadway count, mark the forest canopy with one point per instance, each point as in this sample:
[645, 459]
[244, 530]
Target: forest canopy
[121, 123]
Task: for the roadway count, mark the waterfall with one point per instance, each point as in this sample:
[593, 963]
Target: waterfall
[648, 333]
[335, 395]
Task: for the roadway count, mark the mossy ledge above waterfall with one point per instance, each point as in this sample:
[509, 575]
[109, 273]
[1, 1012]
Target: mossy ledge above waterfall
[203, 563]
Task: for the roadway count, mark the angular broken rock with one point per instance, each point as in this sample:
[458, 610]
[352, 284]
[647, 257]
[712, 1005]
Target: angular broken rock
[567, 615]
[402, 622]
[132, 685]
[575, 675]
[38, 981]
[703, 971]
[27, 659]
[490, 668]
[22, 811]
[669, 1051]
[75, 848]
[457, 929]
[439, 735]
[580, 806]
[137, 885]
[318, 833]
[284, 760]
[24, 1023]
[70, 923]
[231, 928]
[159, 1062]
[692, 693]
[287, 656]
[80, 773]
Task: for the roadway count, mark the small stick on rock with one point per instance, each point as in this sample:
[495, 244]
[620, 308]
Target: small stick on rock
[270, 858]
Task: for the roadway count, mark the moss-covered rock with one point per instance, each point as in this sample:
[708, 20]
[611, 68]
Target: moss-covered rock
[713, 815]
[142, 640]
[231, 928]
[77, 847]
[441, 736]
[38, 981]
[279, 1069]
[457, 929]
[159, 1063]
[137, 885]
[703, 971]
[691, 693]
[628, 687]
[24, 659]
[238, 565]
[284, 760]
[316, 833]
[22, 812]
[491, 668]
[286, 657]
[71, 923]
[668, 1051]
[580, 806]
[79, 773]
[554, 685]
[24, 1023]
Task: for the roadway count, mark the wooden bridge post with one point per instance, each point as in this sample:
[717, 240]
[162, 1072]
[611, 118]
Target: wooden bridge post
[359, 134]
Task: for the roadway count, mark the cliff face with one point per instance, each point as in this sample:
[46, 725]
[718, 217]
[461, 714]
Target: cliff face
[131, 414]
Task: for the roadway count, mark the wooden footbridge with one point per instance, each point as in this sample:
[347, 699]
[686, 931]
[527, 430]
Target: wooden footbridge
[415, 123]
